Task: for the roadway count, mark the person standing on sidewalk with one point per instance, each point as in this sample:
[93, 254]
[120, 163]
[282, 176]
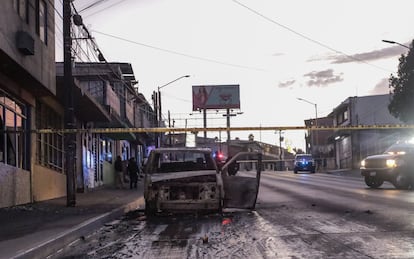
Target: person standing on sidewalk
[133, 173]
[119, 181]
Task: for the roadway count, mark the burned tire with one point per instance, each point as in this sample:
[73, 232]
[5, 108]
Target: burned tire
[401, 181]
[373, 182]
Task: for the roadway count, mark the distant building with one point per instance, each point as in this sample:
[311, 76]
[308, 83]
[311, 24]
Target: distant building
[105, 97]
[320, 143]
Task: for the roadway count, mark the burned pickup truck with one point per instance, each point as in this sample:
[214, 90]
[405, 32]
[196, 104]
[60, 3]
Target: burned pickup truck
[188, 180]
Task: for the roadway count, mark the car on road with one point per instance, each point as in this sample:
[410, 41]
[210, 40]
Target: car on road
[395, 165]
[304, 162]
[188, 180]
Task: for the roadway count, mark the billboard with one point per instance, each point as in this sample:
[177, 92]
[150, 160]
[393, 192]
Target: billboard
[216, 97]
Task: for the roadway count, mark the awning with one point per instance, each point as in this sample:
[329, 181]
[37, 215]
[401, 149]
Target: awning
[86, 107]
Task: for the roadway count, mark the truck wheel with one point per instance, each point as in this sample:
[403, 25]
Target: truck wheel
[373, 182]
[401, 181]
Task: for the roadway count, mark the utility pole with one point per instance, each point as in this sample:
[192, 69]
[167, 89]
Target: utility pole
[156, 121]
[70, 138]
[280, 150]
[159, 118]
[228, 124]
[169, 126]
[205, 123]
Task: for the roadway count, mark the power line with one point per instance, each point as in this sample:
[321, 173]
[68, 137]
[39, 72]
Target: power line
[179, 53]
[93, 4]
[306, 37]
[178, 98]
[94, 46]
[112, 5]
[58, 13]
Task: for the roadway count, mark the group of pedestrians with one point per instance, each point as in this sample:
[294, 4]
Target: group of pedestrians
[130, 168]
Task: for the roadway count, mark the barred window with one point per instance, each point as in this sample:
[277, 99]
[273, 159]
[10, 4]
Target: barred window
[13, 136]
[50, 146]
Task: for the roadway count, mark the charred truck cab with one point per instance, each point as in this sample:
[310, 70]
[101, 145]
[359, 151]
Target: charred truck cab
[187, 180]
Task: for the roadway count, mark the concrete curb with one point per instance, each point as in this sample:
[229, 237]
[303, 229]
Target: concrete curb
[55, 243]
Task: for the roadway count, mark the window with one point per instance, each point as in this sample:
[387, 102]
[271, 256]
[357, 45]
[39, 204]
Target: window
[50, 146]
[342, 116]
[41, 20]
[13, 139]
[22, 8]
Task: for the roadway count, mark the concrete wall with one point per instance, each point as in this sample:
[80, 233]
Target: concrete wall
[372, 110]
[48, 184]
[15, 186]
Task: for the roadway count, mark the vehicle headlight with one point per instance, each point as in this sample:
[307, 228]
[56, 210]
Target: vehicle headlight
[363, 163]
[391, 163]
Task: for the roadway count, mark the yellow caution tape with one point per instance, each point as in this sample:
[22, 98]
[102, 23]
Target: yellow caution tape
[193, 130]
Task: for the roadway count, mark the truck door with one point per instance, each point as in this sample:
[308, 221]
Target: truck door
[242, 188]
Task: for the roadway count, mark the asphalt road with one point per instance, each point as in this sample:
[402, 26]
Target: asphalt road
[297, 216]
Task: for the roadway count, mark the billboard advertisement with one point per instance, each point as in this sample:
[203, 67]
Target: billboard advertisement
[216, 97]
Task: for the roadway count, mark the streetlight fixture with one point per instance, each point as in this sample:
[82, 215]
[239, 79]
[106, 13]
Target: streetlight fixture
[316, 118]
[394, 42]
[158, 107]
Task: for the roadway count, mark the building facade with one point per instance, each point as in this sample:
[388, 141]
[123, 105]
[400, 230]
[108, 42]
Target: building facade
[31, 165]
[109, 88]
[32, 153]
[320, 143]
[351, 146]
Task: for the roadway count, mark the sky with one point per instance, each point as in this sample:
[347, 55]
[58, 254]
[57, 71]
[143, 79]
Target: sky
[322, 51]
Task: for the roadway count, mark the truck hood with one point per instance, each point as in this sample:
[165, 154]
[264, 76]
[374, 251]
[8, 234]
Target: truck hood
[178, 175]
[381, 156]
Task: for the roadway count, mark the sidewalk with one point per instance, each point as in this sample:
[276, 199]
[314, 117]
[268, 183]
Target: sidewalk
[39, 229]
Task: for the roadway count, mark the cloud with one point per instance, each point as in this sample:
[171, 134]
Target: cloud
[277, 54]
[381, 88]
[365, 56]
[286, 83]
[369, 56]
[323, 78]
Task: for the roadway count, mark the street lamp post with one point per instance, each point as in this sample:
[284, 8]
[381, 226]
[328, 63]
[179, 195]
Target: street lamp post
[394, 42]
[316, 121]
[158, 107]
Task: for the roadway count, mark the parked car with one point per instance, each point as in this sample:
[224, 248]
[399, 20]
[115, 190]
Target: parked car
[188, 180]
[395, 165]
[304, 162]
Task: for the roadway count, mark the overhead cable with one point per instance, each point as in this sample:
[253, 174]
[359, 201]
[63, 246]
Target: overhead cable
[306, 37]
